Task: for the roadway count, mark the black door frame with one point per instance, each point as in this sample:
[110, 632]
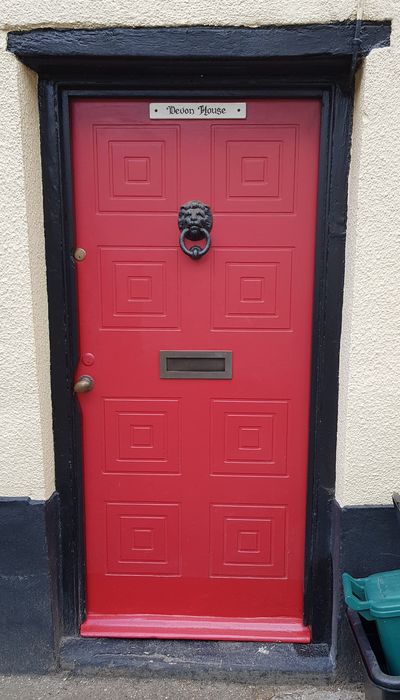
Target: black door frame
[224, 63]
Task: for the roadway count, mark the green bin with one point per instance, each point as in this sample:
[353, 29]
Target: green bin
[377, 598]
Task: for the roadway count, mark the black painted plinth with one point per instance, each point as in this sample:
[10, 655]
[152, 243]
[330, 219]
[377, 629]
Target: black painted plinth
[28, 585]
[366, 541]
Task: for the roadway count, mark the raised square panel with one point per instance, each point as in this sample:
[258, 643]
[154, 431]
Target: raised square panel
[139, 288]
[249, 437]
[251, 289]
[143, 539]
[254, 168]
[142, 436]
[247, 541]
[136, 168]
[137, 440]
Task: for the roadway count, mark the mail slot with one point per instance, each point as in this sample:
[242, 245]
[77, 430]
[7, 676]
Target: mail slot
[193, 364]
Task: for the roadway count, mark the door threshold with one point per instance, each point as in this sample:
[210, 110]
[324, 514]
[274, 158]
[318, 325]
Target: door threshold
[192, 627]
[255, 662]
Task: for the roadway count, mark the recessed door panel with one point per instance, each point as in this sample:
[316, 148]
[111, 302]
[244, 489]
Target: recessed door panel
[195, 489]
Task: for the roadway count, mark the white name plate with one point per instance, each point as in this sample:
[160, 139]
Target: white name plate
[197, 110]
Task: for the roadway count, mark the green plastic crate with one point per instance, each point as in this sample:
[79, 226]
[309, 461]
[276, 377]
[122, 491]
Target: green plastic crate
[377, 598]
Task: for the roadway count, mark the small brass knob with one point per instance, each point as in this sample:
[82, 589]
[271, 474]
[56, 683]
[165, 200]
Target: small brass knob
[79, 254]
[84, 384]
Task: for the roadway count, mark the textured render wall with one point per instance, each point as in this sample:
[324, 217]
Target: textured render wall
[94, 13]
[368, 457]
[369, 434]
[26, 460]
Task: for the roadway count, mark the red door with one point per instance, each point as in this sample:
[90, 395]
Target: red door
[195, 489]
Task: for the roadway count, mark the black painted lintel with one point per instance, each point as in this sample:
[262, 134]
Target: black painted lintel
[267, 42]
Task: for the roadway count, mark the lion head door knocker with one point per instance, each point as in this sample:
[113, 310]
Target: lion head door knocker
[195, 223]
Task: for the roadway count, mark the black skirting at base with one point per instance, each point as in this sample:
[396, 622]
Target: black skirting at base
[366, 539]
[29, 609]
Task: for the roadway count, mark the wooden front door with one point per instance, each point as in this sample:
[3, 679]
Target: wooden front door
[195, 486]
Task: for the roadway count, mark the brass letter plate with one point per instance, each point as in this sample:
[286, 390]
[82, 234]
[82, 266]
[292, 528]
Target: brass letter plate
[195, 364]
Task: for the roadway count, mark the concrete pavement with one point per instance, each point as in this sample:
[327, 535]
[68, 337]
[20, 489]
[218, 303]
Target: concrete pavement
[65, 687]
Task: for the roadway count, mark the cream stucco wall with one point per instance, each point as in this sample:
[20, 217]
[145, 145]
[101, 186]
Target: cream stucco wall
[26, 450]
[368, 466]
[369, 405]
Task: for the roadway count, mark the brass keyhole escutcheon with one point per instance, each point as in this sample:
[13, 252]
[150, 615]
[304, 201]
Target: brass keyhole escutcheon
[79, 254]
[84, 384]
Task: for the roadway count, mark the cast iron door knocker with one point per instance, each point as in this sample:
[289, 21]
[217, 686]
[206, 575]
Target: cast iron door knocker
[195, 223]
